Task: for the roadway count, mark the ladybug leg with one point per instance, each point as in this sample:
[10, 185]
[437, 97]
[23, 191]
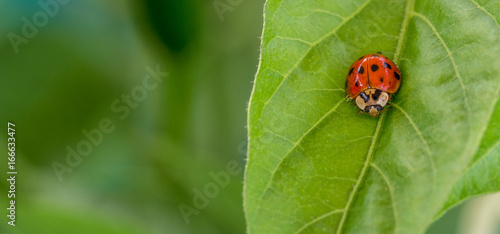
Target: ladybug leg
[386, 108]
[360, 111]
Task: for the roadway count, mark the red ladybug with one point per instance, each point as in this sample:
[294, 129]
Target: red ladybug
[371, 81]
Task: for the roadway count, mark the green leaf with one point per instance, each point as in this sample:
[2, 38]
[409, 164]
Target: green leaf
[482, 176]
[314, 165]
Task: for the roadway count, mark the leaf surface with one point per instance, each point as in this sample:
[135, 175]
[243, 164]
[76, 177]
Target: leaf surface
[314, 165]
[482, 176]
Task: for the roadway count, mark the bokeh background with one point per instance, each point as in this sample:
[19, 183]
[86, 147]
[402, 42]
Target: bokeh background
[64, 79]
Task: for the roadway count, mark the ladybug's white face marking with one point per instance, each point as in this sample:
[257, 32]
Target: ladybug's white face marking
[360, 102]
[372, 101]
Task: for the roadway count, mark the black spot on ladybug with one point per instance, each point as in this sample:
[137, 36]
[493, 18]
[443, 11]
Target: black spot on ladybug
[379, 52]
[357, 84]
[361, 70]
[374, 67]
[387, 65]
[350, 71]
[363, 95]
[375, 56]
[382, 79]
[386, 58]
[376, 94]
[361, 57]
[397, 75]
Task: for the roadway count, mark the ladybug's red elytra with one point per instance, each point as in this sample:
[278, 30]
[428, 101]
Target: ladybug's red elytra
[371, 81]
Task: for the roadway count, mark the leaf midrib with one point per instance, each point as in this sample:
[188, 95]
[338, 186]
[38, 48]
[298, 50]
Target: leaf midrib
[404, 26]
[363, 171]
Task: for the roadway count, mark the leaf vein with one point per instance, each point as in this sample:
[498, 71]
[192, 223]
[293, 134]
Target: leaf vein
[391, 192]
[280, 136]
[314, 44]
[422, 17]
[329, 13]
[295, 145]
[295, 117]
[419, 133]
[310, 90]
[485, 11]
[404, 26]
[335, 178]
[275, 71]
[293, 39]
[376, 135]
[361, 138]
[497, 142]
[318, 219]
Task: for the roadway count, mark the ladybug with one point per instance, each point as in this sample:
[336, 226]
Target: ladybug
[371, 81]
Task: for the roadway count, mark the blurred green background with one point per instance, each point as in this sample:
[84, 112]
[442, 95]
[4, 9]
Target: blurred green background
[64, 79]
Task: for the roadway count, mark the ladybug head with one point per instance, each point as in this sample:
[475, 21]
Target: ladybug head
[373, 110]
[372, 101]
